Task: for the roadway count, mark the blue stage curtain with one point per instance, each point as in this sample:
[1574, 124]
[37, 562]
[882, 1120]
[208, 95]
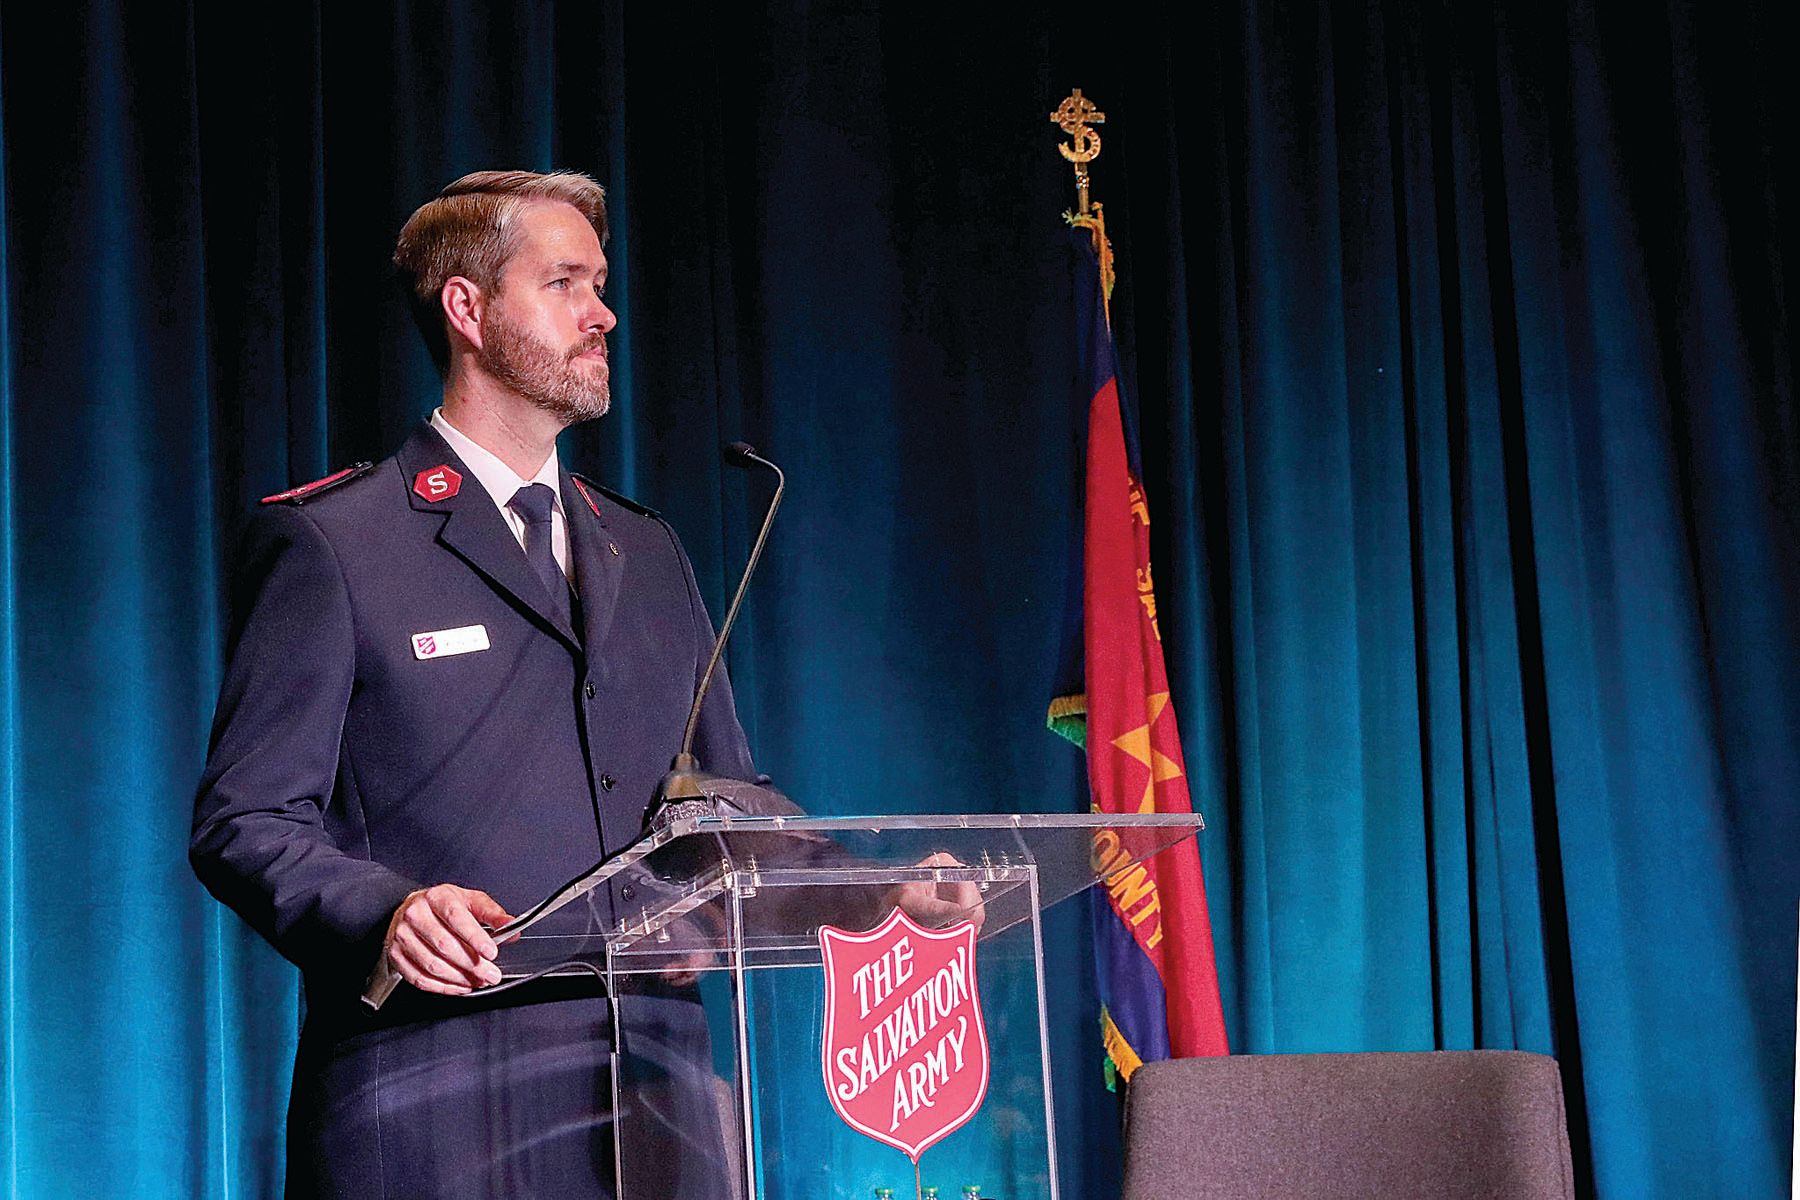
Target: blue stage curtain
[1462, 335]
[1460, 339]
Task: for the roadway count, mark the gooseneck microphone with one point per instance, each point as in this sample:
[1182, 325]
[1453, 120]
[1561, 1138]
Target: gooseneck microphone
[685, 782]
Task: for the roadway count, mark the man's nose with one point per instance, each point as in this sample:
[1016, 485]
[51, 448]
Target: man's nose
[599, 318]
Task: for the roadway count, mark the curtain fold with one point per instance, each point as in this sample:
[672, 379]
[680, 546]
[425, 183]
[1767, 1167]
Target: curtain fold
[1460, 342]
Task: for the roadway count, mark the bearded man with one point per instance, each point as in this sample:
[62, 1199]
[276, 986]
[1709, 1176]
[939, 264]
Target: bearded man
[455, 678]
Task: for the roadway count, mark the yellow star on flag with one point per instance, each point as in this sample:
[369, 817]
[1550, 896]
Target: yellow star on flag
[1136, 743]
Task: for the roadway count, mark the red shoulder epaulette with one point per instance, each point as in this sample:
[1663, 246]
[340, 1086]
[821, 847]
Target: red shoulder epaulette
[583, 483]
[307, 491]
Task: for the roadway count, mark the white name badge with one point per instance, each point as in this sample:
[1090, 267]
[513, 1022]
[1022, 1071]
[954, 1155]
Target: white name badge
[442, 643]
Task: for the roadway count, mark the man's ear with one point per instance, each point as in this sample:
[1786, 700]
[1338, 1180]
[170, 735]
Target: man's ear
[463, 305]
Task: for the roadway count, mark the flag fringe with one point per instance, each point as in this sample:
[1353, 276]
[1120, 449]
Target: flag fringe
[1125, 1060]
[1067, 718]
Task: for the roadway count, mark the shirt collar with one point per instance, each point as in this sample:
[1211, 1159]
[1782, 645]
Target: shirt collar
[500, 480]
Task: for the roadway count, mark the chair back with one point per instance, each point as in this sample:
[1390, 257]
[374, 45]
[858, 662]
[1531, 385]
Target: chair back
[1476, 1125]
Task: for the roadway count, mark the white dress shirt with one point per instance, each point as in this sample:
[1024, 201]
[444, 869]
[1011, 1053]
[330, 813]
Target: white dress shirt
[501, 482]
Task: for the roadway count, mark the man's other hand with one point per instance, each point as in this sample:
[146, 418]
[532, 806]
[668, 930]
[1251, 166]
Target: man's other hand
[935, 905]
[436, 941]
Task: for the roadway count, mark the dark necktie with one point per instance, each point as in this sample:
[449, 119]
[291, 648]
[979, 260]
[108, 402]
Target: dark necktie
[535, 502]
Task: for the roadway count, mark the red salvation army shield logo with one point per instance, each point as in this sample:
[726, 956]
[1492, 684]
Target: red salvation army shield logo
[905, 1051]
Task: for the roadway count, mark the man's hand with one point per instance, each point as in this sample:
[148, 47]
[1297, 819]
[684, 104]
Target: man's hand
[934, 905]
[436, 941]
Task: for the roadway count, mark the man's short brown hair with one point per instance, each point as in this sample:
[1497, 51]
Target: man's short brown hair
[467, 230]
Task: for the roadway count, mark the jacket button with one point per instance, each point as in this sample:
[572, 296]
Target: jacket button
[589, 689]
[608, 783]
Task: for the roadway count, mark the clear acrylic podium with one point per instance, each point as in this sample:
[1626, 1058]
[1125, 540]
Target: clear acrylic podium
[706, 935]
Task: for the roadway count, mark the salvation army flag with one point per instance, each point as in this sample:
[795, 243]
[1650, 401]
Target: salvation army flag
[1153, 940]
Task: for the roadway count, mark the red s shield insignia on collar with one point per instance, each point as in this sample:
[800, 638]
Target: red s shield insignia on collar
[438, 483]
[905, 1052]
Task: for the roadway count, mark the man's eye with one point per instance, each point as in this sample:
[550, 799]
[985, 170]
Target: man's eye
[559, 284]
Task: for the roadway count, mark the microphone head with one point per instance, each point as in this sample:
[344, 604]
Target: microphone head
[742, 454]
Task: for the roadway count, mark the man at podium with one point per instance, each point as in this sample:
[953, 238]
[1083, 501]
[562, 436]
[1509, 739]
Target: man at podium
[454, 680]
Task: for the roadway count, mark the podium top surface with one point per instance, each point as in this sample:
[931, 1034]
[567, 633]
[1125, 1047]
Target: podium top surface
[1185, 823]
[760, 886]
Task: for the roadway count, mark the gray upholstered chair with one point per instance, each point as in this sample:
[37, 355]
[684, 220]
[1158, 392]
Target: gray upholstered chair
[1467, 1124]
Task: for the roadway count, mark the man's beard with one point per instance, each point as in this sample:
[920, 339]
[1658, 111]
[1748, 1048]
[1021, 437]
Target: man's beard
[552, 380]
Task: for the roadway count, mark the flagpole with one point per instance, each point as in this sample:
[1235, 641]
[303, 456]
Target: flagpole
[1076, 116]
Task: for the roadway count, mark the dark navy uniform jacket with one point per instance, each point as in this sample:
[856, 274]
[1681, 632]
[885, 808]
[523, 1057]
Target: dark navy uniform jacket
[345, 771]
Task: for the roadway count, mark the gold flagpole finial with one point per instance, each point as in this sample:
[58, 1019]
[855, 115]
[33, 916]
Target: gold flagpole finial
[1075, 115]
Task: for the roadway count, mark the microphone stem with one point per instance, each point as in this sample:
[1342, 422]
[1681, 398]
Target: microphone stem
[737, 600]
